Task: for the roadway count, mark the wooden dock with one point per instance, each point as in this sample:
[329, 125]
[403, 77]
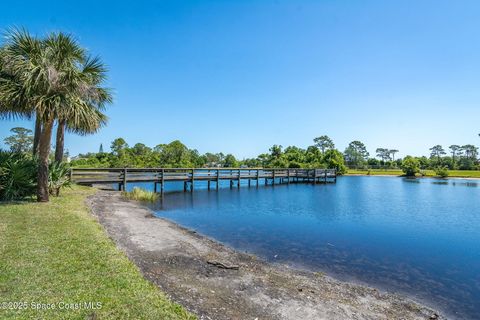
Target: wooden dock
[160, 176]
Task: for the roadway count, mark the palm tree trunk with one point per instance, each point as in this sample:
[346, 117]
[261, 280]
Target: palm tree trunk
[43, 153]
[59, 145]
[36, 136]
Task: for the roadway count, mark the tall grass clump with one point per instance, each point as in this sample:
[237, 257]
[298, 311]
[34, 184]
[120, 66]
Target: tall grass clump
[140, 194]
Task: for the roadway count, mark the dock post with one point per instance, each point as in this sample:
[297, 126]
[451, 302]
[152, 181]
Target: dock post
[191, 186]
[239, 177]
[273, 177]
[314, 176]
[163, 181]
[288, 176]
[155, 186]
[258, 176]
[124, 186]
[326, 177]
[218, 177]
[185, 186]
[249, 178]
[208, 185]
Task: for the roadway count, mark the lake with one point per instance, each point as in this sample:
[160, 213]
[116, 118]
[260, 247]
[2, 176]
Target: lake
[419, 237]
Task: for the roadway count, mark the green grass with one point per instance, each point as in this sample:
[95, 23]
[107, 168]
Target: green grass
[429, 173]
[57, 252]
[375, 172]
[140, 194]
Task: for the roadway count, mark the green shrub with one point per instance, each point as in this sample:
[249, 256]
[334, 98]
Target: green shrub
[442, 172]
[58, 177]
[334, 160]
[410, 166]
[18, 174]
[140, 194]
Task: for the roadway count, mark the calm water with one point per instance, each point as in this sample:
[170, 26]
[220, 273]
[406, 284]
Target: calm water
[419, 237]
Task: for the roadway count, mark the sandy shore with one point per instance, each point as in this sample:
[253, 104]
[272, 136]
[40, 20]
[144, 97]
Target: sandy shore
[217, 282]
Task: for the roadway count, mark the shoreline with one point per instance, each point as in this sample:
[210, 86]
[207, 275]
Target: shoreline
[402, 176]
[215, 281]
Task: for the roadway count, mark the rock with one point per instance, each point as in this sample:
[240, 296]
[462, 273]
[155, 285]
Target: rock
[221, 265]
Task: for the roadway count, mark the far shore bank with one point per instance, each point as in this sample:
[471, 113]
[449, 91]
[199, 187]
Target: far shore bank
[401, 175]
[217, 282]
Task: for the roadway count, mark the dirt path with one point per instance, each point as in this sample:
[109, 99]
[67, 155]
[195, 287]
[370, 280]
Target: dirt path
[216, 282]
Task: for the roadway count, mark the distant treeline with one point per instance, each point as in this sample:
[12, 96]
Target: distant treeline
[176, 154]
[321, 154]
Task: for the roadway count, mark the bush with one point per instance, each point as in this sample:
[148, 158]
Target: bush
[465, 163]
[18, 175]
[410, 166]
[140, 194]
[334, 160]
[441, 172]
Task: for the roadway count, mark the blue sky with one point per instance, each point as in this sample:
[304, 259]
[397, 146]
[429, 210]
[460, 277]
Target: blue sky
[240, 76]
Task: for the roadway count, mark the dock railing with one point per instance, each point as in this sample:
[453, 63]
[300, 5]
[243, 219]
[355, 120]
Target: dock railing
[160, 176]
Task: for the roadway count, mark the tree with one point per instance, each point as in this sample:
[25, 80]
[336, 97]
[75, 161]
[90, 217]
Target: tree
[392, 152]
[294, 156]
[14, 102]
[21, 141]
[175, 154]
[118, 146]
[333, 159]
[89, 77]
[42, 77]
[276, 151]
[383, 153]
[410, 166]
[437, 151]
[230, 161]
[470, 151]
[356, 153]
[455, 149]
[139, 149]
[324, 143]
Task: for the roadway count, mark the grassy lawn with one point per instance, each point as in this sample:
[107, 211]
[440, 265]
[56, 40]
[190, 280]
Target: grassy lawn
[57, 253]
[375, 172]
[429, 173]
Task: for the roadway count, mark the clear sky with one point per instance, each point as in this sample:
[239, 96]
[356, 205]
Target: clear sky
[240, 76]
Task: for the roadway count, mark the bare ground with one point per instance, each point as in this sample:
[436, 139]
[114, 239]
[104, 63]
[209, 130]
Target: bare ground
[202, 274]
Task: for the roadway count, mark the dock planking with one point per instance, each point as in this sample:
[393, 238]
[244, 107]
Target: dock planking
[161, 176]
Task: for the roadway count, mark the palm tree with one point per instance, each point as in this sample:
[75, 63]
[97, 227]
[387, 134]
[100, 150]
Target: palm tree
[90, 74]
[52, 76]
[14, 102]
